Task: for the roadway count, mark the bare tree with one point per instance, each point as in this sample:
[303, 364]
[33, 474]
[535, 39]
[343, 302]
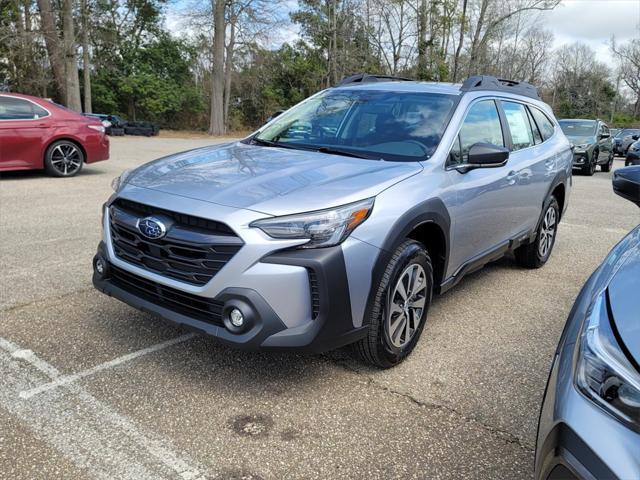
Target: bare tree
[216, 124]
[86, 63]
[628, 56]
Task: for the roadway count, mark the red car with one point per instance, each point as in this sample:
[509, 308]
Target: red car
[36, 133]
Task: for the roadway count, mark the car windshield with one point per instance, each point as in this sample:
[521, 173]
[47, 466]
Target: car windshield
[400, 126]
[627, 132]
[578, 128]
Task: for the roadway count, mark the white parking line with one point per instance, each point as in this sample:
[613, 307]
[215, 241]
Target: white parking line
[67, 379]
[91, 434]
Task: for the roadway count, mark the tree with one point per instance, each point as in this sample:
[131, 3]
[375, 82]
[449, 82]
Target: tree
[628, 56]
[216, 124]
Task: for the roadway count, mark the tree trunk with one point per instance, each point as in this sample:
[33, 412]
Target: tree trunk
[456, 58]
[52, 43]
[216, 124]
[422, 41]
[333, 61]
[72, 80]
[228, 69]
[477, 39]
[86, 64]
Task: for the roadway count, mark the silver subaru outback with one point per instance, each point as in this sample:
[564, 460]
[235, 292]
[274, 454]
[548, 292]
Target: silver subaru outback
[337, 221]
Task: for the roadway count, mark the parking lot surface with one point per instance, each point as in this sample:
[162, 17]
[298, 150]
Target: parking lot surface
[91, 388]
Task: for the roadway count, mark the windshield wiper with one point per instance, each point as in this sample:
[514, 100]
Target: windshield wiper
[270, 143]
[346, 153]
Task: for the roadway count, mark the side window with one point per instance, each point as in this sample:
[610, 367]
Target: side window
[521, 134]
[537, 137]
[18, 109]
[482, 125]
[544, 124]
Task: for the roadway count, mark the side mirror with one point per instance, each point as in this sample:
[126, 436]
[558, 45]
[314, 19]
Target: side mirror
[635, 137]
[487, 155]
[274, 115]
[626, 183]
[604, 135]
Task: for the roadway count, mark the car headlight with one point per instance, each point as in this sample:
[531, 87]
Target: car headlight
[603, 372]
[584, 146]
[97, 128]
[323, 228]
[118, 182]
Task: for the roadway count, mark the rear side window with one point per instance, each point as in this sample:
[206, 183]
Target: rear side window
[482, 125]
[537, 137]
[544, 124]
[12, 108]
[519, 126]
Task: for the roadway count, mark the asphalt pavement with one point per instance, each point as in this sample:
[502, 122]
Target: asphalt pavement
[91, 388]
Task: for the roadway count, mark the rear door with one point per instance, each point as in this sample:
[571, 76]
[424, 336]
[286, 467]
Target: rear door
[23, 126]
[532, 166]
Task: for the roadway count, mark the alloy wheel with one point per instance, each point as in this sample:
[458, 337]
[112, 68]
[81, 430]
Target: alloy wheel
[406, 305]
[66, 158]
[547, 232]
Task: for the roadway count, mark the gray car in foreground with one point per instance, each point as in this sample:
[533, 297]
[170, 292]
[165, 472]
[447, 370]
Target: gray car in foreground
[590, 418]
[337, 221]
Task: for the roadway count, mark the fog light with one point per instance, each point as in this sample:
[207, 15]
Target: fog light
[100, 266]
[236, 317]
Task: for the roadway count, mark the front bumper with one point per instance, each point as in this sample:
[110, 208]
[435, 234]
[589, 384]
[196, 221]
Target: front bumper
[329, 326]
[576, 439]
[581, 159]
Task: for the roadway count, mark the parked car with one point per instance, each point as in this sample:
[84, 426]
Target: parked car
[146, 129]
[113, 124]
[633, 153]
[340, 232]
[592, 144]
[36, 133]
[623, 139]
[614, 132]
[590, 418]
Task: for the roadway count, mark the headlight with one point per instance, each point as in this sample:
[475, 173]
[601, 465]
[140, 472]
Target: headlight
[323, 228]
[120, 180]
[603, 372]
[584, 146]
[97, 128]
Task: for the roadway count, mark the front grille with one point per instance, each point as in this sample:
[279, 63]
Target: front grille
[315, 294]
[193, 306]
[194, 249]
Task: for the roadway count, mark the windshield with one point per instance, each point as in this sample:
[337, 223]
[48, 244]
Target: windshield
[578, 128]
[399, 126]
[627, 132]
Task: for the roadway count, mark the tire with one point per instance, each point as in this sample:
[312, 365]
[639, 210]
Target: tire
[533, 255]
[607, 166]
[63, 159]
[117, 132]
[385, 346]
[590, 169]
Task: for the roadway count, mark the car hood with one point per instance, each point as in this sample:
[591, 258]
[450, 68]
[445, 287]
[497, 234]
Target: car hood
[276, 181]
[624, 293]
[580, 140]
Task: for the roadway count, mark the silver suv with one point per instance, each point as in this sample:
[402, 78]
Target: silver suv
[336, 222]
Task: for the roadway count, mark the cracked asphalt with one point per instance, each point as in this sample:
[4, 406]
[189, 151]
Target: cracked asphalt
[464, 405]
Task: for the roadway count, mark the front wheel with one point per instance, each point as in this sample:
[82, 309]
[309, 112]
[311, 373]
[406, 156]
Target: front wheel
[400, 307]
[536, 253]
[607, 166]
[63, 159]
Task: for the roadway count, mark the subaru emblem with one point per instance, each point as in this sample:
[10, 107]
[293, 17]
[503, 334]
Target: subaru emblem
[152, 228]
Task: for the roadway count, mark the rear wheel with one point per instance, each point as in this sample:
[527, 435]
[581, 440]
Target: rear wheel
[400, 307]
[63, 159]
[536, 253]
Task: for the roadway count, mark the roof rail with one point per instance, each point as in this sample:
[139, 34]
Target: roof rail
[486, 82]
[367, 78]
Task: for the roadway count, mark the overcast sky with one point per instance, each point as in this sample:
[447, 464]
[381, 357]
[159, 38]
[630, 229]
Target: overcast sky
[589, 21]
[594, 22]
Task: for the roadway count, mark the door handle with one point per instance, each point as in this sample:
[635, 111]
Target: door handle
[511, 177]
